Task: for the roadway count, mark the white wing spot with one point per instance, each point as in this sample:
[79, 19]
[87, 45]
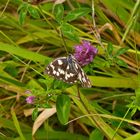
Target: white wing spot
[68, 75]
[84, 80]
[76, 66]
[57, 73]
[59, 70]
[83, 73]
[68, 67]
[80, 77]
[71, 74]
[62, 72]
[60, 62]
[52, 66]
[54, 72]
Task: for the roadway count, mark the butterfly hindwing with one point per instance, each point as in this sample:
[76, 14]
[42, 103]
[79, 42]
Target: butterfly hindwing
[82, 77]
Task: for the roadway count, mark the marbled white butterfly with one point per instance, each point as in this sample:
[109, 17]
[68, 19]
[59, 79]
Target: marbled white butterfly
[68, 70]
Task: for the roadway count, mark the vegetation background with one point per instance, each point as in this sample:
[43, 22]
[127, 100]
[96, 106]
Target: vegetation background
[32, 33]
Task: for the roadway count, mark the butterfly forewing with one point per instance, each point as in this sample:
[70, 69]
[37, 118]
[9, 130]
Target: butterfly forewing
[68, 70]
[60, 69]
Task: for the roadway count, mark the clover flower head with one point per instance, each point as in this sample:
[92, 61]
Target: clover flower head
[85, 53]
[30, 99]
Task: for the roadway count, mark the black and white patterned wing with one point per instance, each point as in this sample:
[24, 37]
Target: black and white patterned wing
[82, 77]
[60, 69]
[68, 70]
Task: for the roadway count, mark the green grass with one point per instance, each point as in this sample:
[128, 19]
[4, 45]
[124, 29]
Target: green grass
[32, 35]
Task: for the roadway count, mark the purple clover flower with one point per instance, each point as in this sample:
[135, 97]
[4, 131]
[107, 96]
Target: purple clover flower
[30, 99]
[85, 53]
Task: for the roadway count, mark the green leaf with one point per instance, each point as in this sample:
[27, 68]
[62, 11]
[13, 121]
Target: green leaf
[137, 99]
[56, 135]
[121, 51]
[12, 70]
[24, 53]
[133, 137]
[9, 124]
[35, 113]
[22, 16]
[110, 48]
[120, 111]
[17, 1]
[58, 12]
[76, 14]
[33, 12]
[23, 6]
[69, 32]
[17, 126]
[22, 9]
[102, 81]
[96, 135]
[63, 108]
[120, 62]
[9, 80]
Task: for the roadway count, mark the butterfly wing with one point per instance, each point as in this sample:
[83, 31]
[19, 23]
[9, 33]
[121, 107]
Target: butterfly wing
[82, 77]
[60, 69]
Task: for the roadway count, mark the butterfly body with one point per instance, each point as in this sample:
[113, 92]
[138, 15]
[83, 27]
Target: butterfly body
[71, 62]
[68, 70]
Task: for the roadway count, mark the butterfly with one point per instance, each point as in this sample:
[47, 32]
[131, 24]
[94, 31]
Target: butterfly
[68, 70]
